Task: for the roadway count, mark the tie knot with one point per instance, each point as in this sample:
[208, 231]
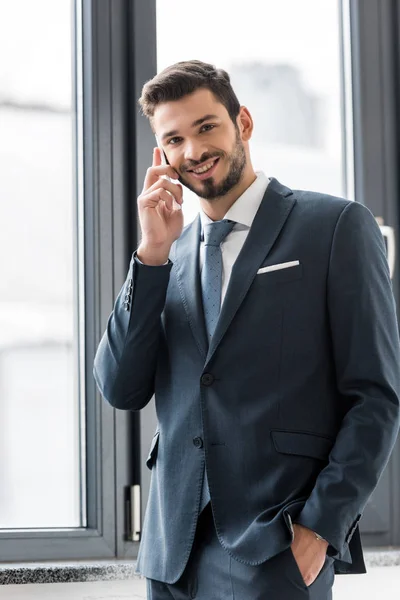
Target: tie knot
[216, 232]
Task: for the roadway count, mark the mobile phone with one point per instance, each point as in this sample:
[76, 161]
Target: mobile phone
[165, 162]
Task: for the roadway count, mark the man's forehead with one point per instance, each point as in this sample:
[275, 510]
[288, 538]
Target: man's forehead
[186, 111]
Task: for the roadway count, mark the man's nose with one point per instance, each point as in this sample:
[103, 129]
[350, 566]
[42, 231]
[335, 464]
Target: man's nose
[194, 151]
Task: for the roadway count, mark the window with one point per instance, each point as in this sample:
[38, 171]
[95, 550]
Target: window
[284, 59]
[64, 453]
[40, 450]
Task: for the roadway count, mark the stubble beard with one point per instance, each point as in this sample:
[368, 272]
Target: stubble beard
[210, 190]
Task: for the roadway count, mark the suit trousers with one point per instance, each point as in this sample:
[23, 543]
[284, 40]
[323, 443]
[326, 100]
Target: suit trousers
[212, 574]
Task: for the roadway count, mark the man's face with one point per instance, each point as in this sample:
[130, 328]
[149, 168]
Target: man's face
[201, 143]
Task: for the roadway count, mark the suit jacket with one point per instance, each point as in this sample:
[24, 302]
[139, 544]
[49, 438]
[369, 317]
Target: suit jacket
[293, 407]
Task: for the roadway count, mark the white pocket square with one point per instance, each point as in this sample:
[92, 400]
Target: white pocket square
[285, 265]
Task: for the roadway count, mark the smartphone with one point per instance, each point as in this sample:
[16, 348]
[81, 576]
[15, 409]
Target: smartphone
[165, 162]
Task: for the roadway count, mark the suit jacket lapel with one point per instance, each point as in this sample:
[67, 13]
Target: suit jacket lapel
[186, 261]
[275, 208]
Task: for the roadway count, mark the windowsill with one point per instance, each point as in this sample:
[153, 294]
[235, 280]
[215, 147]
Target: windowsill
[67, 571]
[111, 570]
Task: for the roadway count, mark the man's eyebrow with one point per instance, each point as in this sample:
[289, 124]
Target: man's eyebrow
[202, 119]
[194, 124]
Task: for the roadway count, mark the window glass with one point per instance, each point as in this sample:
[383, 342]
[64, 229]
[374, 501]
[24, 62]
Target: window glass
[40, 465]
[284, 59]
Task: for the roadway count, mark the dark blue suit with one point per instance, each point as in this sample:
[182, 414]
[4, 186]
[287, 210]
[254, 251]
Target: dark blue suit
[294, 407]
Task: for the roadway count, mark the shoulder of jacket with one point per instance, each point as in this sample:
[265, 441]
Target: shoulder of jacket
[319, 205]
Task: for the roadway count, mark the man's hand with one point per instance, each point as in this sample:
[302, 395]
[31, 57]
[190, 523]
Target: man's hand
[309, 553]
[161, 223]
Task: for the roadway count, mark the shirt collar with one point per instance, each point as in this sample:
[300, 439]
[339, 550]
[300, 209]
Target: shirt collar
[244, 210]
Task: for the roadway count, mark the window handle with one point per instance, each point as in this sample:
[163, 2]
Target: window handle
[389, 235]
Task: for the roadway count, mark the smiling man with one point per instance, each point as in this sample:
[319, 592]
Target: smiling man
[231, 160]
[267, 331]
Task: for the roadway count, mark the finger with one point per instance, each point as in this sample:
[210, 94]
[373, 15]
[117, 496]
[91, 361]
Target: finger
[157, 157]
[169, 203]
[154, 198]
[180, 199]
[167, 199]
[165, 170]
[150, 174]
[155, 172]
[175, 188]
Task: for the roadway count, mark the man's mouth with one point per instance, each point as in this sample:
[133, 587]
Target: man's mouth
[205, 170]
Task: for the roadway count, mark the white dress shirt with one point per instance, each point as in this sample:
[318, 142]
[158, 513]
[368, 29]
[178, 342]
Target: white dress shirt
[243, 212]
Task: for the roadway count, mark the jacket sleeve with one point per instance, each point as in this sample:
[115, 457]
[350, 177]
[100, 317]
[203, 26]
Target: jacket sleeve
[365, 344]
[126, 359]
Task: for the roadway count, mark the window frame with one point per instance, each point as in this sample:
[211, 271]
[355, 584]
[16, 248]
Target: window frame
[375, 26]
[107, 248]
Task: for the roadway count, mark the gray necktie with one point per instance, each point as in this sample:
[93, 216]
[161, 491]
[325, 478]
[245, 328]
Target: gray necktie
[211, 274]
[211, 283]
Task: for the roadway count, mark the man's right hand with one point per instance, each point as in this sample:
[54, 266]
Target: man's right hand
[160, 222]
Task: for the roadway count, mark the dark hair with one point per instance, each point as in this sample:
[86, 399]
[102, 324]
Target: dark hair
[182, 78]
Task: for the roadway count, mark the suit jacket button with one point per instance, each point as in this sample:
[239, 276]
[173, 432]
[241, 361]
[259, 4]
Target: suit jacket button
[198, 442]
[207, 379]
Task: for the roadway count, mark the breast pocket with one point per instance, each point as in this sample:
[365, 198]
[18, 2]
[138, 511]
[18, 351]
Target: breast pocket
[280, 276]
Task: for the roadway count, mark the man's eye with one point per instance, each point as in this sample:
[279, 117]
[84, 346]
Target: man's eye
[207, 127]
[174, 140]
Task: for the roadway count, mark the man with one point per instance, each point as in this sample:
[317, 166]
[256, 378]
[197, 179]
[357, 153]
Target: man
[267, 331]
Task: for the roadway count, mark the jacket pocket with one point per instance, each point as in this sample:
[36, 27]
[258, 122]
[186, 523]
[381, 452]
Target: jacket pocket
[280, 275]
[302, 444]
[151, 459]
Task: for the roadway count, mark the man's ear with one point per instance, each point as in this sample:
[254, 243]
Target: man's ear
[245, 124]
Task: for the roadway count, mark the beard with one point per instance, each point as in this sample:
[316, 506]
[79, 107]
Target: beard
[208, 189]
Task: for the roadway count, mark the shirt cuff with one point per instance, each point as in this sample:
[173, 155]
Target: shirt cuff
[141, 263]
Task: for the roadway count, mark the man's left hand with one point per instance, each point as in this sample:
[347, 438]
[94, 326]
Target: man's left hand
[309, 553]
